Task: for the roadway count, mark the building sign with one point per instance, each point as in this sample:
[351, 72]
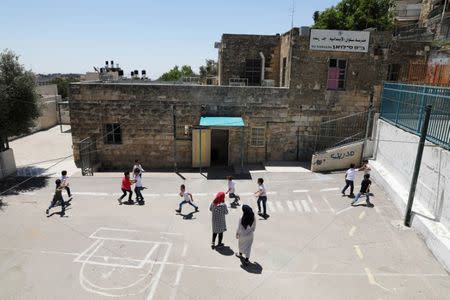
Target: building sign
[339, 40]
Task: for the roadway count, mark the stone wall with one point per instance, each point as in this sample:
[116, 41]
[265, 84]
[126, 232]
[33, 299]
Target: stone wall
[145, 112]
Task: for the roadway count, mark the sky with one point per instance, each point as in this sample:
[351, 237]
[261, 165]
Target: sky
[74, 36]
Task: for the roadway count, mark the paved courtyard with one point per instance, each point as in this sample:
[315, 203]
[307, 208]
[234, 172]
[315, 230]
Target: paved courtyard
[313, 246]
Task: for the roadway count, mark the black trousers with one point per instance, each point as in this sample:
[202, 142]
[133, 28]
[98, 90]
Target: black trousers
[124, 191]
[214, 237]
[139, 196]
[262, 199]
[55, 201]
[348, 183]
[236, 197]
[68, 191]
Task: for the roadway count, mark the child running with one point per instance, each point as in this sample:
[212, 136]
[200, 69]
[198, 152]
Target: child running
[262, 197]
[65, 182]
[126, 188]
[57, 197]
[138, 185]
[365, 186]
[349, 179]
[186, 199]
[232, 191]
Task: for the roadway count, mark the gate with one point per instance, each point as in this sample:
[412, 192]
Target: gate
[88, 156]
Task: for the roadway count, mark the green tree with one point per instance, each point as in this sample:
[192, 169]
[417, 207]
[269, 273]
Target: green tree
[63, 83]
[18, 97]
[356, 15]
[176, 73]
[209, 69]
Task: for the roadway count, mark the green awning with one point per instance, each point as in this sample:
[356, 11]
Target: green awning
[222, 121]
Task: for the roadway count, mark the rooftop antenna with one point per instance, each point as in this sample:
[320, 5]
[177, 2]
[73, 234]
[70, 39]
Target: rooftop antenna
[292, 14]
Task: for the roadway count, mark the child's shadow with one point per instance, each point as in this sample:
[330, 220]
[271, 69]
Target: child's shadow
[189, 216]
[60, 213]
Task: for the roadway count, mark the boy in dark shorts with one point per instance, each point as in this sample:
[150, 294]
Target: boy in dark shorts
[126, 188]
[232, 191]
[57, 197]
[262, 198]
[365, 186]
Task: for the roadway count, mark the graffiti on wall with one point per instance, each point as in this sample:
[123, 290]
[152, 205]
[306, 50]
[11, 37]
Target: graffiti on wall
[342, 155]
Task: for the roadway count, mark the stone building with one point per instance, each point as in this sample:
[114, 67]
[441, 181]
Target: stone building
[280, 87]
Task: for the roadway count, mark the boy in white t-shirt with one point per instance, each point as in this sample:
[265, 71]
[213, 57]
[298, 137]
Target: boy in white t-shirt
[65, 182]
[349, 179]
[186, 199]
[232, 191]
[137, 178]
[262, 198]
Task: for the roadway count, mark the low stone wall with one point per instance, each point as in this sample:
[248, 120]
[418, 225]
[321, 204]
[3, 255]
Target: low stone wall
[338, 158]
[7, 163]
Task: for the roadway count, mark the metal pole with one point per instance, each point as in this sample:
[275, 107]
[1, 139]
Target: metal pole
[200, 149]
[415, 176]
[174, 117]
[242, 150]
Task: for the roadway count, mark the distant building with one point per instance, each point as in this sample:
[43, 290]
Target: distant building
[274, 91]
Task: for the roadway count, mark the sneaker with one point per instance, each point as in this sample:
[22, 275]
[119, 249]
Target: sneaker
[47, 211]
[220, 245]
[213, 246]
[120, 201]
[178, 210]
[351, 196]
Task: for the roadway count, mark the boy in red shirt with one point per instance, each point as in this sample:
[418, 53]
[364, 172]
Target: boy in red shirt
[126, 187]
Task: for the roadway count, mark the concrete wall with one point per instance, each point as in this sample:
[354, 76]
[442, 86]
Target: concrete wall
[395, 154]
[47, 107]
[338, 158]
[7, 163]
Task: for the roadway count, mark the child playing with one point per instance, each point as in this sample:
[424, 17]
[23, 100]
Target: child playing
[138, 185]
[57, 197]
[186, 199]
[262, 197]
[365, 167]
[349, 179]
[65, 182]
[232, 191]
[137, 165]
[365, 186]
[126, 187]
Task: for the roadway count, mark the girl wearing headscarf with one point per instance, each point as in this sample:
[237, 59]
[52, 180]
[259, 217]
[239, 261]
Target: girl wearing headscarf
[244, 233]
[218, 209]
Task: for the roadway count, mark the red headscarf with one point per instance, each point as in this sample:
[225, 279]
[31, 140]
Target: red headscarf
[220, 198]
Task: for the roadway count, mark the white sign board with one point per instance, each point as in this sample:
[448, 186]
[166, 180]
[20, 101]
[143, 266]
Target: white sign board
[339, 40]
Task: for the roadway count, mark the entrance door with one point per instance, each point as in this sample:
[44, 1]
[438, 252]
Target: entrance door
[219, 147]
[203, 142]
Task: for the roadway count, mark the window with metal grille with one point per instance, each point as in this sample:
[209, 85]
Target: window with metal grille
[113, 134]
[336, 74]
[393, 72]
[258, 137]
[253, 71]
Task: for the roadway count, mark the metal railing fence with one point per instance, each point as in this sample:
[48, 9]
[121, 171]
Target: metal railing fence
[403, 105]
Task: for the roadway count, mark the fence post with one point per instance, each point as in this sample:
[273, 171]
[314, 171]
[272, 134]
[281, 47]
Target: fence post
[415, 176]
[398, 103]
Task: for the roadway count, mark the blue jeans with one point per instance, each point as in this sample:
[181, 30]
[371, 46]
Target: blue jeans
[137, 191]
[187, 202]
[359, 195]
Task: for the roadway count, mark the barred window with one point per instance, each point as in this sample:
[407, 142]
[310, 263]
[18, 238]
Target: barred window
[113, 134]
[258, 137]
[336, 74]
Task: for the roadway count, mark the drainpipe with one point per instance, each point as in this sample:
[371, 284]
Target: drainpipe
[263, 65]
[443, 11]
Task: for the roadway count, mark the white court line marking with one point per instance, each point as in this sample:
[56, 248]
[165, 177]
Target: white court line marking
[352, 231]
[158, 275]
[372, 281]
[361, 215]
[170, 233]
[306, 206]
[271, 193]
[149, 254]
[201, 194]
[246, 194]
[328, 203]
[438, 275]
[280, 206]
[151, 195]
[300, 191]
[177, 279]
[77, 259]
[330, 189]
[358, 251]
[298, 205]
[290, 205]
[343, 210]
[117, 229]
[271, 207]
[90, 193]
[311, 201]
[183, 253]
[171, 195]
